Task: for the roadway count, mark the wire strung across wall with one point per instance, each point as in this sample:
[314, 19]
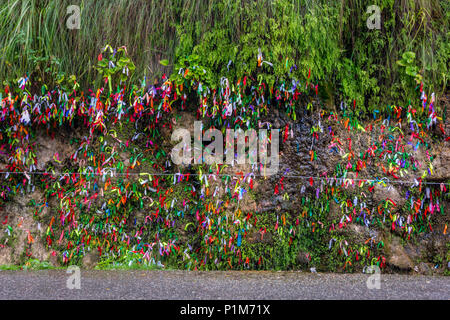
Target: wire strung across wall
[112, 173]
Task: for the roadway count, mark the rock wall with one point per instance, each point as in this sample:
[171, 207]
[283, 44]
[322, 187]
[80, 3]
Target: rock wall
[347, 195]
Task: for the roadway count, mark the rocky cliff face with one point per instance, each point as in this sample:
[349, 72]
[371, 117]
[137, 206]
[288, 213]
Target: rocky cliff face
[426, 253]
[347, 194]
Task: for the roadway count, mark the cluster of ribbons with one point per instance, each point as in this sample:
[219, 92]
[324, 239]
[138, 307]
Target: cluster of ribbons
[118, 194]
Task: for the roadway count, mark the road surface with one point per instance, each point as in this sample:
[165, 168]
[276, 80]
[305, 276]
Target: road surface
[181, 285]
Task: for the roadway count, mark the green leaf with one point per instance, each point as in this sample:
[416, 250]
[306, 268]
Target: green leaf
[409, 56]
[103, 64]
[411, 71]
[164, 62]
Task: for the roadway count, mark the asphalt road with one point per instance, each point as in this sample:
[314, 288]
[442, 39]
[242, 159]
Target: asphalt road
[181, 285]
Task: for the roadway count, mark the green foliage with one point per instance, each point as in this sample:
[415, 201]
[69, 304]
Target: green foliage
[408, 61]
[40, 25]
[35, 264]
[328, 37]
[230, 45]
[129, 261]
[164, 62]
[9, 267]
[190, 70]
[116, 65]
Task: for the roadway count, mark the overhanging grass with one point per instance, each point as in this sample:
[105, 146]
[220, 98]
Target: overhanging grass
[35, 39]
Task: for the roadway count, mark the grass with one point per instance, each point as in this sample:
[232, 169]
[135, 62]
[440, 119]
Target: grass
[34, 29]
[35, 37]
[34, 264]
[9, 267]
[132, 267]
[31, 264]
